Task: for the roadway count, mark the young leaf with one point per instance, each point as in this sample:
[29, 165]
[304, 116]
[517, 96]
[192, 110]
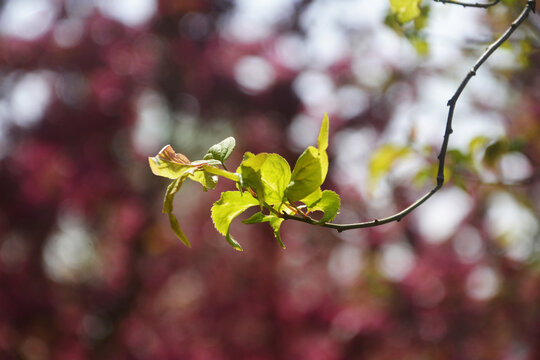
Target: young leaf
[250, 171]
[267, 174]
[311, 167]
[312, 198]
[257, 218]
[322, 144]
[306, 176]
[207, 180]
[329, 203]
[229, 206]
[169, 164]
[275, 174]
[405, 10]
[221, 151]
[274, 221]
[172, 189]
[495, 151]
[176, 228]
[322, 140]
[382, 160]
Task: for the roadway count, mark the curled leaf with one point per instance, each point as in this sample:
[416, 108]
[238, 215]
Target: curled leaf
[172, 189]
[169, 164]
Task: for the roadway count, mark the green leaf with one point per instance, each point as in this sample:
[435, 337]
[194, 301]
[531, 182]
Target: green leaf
[275, 175]
[322, 140]
[329, 203]
[322, 144]
[176, 228]
[477, 143]
[275, 223]
[257, 218]
[312, 198]
[267, 174]
[405, 10]
[169, 164]
[382, 160]
[306, 176]
[172, 189]
[273, 220]
[250, 171]
[221, 151]
[495, 151]
[207, 180]
[229, 206]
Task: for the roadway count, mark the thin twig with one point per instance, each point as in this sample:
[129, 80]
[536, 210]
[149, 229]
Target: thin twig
[464, 4]
[529, 7]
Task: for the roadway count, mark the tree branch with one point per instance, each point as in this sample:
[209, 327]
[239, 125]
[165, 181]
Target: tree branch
[529, 7]
[464, 4]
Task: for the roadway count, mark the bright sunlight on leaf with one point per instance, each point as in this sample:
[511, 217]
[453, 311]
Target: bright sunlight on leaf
[405, 10]
[230, 205]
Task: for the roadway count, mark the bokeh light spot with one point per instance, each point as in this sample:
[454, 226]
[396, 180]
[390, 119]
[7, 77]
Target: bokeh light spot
[439, 218]
[129, 12]
[482, 283]
[397, 260]
[29, 98]
[69, 255]
[254, 74]
[27, 19]
[68, 33]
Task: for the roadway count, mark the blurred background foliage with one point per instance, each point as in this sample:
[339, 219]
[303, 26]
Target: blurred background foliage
[89, 268]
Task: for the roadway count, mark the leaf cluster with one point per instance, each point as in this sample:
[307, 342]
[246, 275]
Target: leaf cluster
[262, 180]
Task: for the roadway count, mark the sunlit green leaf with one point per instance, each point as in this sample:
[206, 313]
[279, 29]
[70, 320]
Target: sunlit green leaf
[329, 204]
[169, 164]
[229, 206]
[420, 45]
[267, 174]
[176, 228]
[273, 220]
[313, 197]
[405, 10]
[250, 170]
[322, 140]
[383, 159]
[207, 180]
[477, 143]
[257, 218]
[422, 20]
[221, 151]
[322, 144]
[457, 156]
[275, 223]
[172, 189]
[275, 175]
[306, 176]
[495, 151]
